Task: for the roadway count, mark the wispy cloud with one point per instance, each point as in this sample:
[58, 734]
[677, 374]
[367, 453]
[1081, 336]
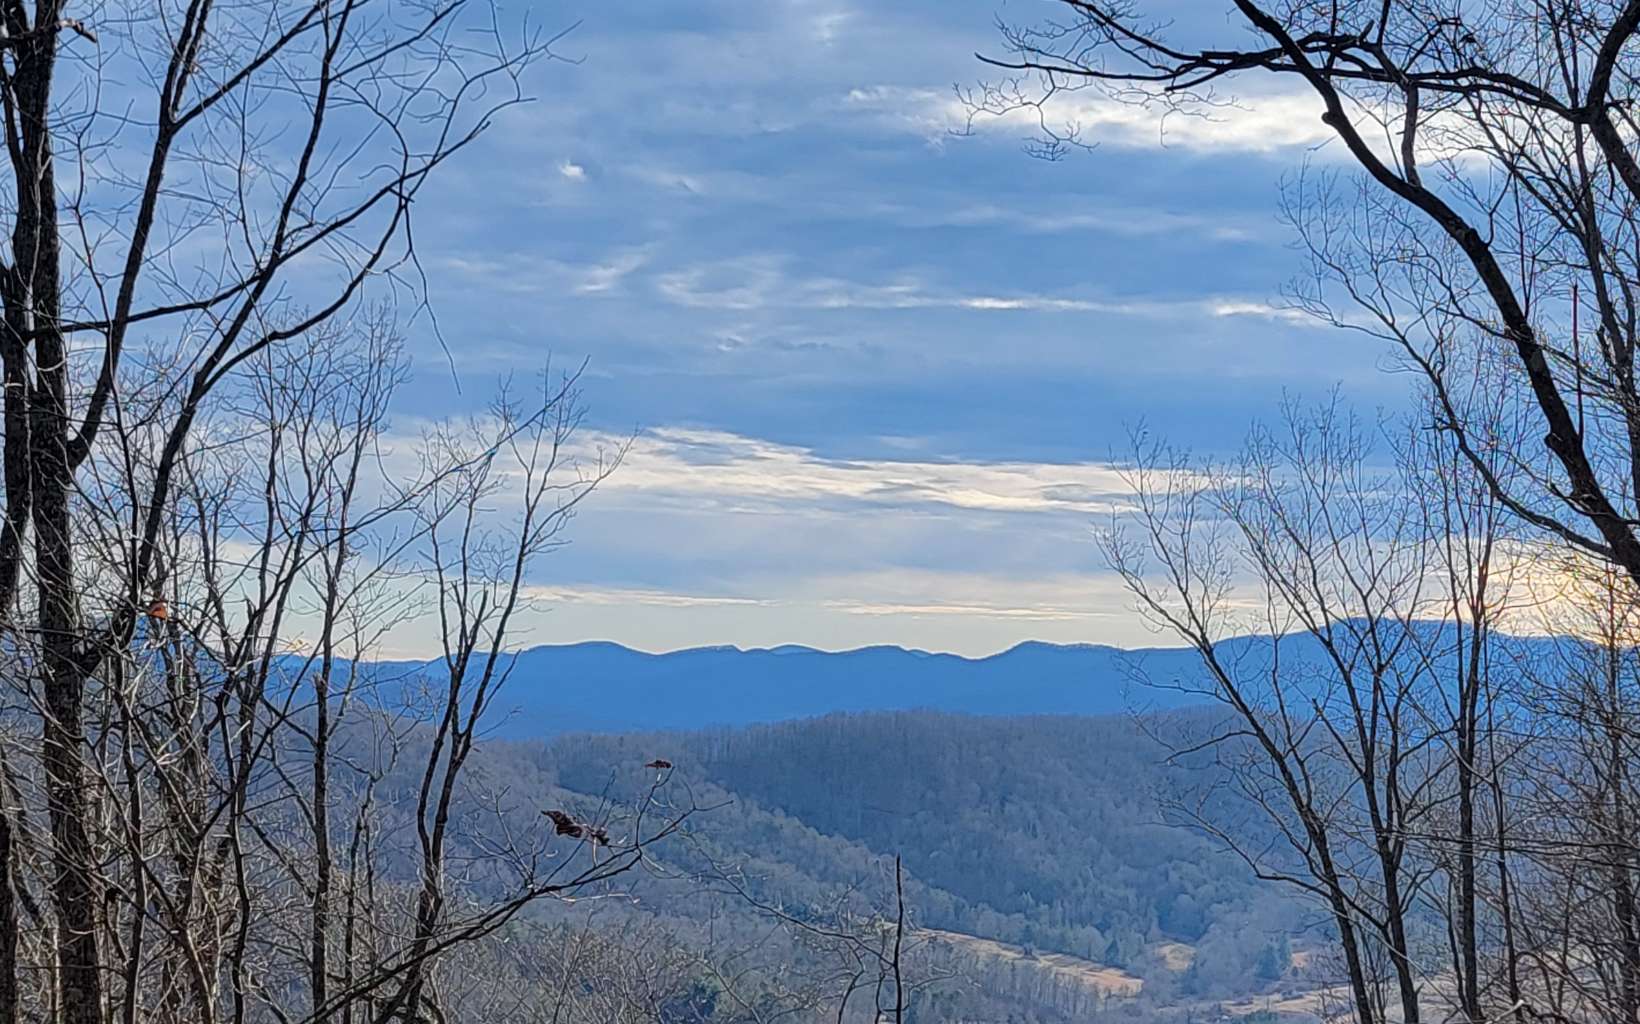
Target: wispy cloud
[1258, 123]
[638, 596]
[1265, 123]
[828, 23]
[748, 474]
[669, 179]
[969, 596]
[1077, 216]
[526, 273]
[1264, 311]
[711, 537]
[603, 277]
[973, 614]
[763, 281]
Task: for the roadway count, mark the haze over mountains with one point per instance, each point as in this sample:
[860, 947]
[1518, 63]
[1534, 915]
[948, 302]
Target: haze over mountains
[605, 687]
[608, 687]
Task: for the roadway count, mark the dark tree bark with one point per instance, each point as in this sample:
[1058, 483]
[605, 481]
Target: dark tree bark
[1542, 93]
[100, 451]
[36, 261]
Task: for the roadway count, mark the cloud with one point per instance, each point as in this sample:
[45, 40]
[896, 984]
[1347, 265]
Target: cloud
[707, 536]
[1074, 215]
[729, 471]
[827, 25]
[527, 273]
[1260, 123]
[1035, 303]
[639, 596]
[1053, 598]
[1267, 122]
[669, 179]
[794, 274]
[973, 614]
[1265, 311]
[603, 277]
[761, 281]
[960, 595]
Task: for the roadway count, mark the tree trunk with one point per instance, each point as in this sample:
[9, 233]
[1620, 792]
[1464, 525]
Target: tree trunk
[8, 925]
[36, 252]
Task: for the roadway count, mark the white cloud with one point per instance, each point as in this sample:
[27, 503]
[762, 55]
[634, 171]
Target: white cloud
[1285, 118]
[1075, 215]
[572, 171]
[1256, 123]
[827, 25]
[965, 594]
[1036, 303]
[712, 537]
[627, 596]
[1055, 598]
[761, 281]
[1264, 311]
[523, 273]
[730, 472]
[839, 613]
[666, 178]
[603, 277]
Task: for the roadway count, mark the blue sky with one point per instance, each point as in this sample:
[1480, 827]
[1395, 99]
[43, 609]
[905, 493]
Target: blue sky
[877, 371]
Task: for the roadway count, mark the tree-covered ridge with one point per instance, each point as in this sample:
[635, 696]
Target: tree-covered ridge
[1050, 833]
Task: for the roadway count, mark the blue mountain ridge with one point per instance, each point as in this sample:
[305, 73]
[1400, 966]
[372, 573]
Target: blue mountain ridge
[604, 687]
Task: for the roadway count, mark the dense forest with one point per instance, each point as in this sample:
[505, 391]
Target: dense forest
[1051, 833]
[1041, 858]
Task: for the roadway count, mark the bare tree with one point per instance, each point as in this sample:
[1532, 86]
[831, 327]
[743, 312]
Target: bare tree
[1497, 197]
[210, 530]
[273, 815]
[1490, 237]
[1573, 840]
[1356, 721]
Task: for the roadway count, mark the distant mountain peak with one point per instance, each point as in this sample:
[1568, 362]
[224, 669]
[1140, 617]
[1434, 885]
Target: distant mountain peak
[605, 687]
[601, 686]
[1048, 645]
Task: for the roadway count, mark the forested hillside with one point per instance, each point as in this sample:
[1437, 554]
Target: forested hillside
[1022, 838]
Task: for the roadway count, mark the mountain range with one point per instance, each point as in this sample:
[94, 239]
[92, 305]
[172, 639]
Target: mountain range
[605, 687]
[600, 686]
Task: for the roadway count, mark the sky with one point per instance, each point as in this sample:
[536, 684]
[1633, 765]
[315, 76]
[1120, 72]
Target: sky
[878, 374]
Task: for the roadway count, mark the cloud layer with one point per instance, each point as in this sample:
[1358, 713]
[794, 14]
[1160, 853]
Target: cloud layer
[875, 368]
